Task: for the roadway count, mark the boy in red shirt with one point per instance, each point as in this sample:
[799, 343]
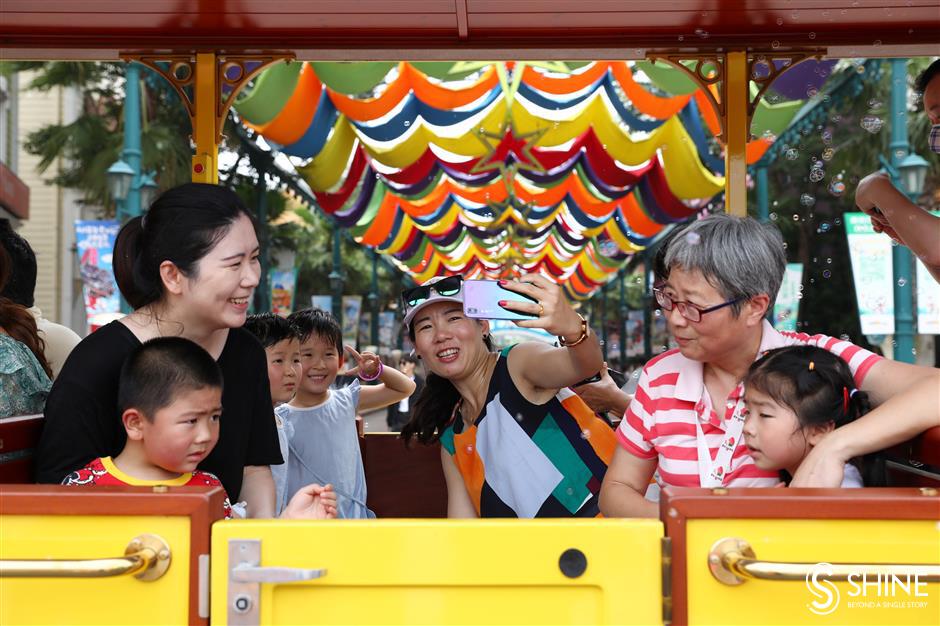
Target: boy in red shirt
[170, 396]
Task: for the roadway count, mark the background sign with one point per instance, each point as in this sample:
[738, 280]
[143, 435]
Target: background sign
[928, 302]
[95, 242]
[388, 329]
[283, 284]
[322, 302]
[352, 307]
[870, 253]
[787, 306]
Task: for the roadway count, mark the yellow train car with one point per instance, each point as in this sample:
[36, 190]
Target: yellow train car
[724, 556]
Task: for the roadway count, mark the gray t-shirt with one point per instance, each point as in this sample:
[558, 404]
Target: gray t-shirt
[284, 432]
[324, 448]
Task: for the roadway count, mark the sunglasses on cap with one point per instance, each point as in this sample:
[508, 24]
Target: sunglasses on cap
[449, 286]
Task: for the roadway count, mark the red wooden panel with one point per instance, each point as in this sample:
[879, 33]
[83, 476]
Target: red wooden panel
[19, 437]
[403, 482]
[422, 25]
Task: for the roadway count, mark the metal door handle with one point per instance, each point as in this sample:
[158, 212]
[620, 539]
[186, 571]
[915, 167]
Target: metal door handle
[732, 562]
[147, 557]
[244, 573]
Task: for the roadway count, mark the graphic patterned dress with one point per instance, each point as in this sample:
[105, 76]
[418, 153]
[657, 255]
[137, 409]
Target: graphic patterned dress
[520, 459]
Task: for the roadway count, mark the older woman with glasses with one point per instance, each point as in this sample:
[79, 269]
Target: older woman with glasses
[515, 442]
[685, 422]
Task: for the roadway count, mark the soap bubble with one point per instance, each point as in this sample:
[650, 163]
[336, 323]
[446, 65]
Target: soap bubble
[837, 187]
[807, 200]
[872, 123]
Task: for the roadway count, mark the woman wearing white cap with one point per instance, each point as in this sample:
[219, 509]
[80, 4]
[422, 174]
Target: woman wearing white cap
[515, 442]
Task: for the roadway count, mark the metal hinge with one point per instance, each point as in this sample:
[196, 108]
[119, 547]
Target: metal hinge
[246, 575]
[666, 556]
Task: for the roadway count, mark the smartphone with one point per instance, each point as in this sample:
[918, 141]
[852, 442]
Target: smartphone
[596, 378]
[481, 300]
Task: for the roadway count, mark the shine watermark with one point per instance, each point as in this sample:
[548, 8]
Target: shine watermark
[866, 590]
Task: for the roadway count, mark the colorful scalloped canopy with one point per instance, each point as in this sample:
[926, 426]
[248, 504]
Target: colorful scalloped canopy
[491, 169]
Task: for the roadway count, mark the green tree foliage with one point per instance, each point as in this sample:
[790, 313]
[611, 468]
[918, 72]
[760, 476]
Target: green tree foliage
[813, 185]
[89, 145]
[78, 154]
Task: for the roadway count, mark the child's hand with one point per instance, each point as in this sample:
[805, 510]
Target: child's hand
[367, 365]
[312, 502]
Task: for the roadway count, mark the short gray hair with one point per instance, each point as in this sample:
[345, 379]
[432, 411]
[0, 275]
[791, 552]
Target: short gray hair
[738, 256]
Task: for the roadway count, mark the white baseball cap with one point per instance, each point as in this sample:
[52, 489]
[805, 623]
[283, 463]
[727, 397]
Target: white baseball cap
[438, 289]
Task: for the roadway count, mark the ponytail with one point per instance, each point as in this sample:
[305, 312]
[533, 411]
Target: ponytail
[433, 411]
[136, 286]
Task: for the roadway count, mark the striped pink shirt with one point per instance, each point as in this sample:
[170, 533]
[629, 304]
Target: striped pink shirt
[671, 395]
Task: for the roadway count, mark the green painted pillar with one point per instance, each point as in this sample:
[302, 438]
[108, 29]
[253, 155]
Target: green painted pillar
[131, 153]
[263, 291]
[336, 275]
[902, 261]
[374, 301]
[623, 320]
[763, 194]
[603, 319]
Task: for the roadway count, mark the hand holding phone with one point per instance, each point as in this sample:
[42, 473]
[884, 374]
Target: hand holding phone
[481, 300]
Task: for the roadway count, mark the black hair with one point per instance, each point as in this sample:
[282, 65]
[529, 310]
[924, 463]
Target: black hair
[925, 77]
[182, 226]
[16, 321]
[270, 328]
[813, 383]
[313, 321]
[158, 370]
[22, 283]
[434, 407]
[408, 358]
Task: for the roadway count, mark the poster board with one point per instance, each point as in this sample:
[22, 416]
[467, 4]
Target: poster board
[94, 240]
[870, 253]
[787, 306]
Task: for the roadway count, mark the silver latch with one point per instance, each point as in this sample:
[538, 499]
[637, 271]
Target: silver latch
[246, 576]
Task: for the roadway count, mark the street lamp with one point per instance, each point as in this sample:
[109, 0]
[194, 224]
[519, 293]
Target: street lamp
[913, 170]
[148, 189]
[120, 178]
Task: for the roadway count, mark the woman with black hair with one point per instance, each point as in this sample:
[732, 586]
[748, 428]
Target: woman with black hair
[515, 442]
[24, 369]
[189, 268]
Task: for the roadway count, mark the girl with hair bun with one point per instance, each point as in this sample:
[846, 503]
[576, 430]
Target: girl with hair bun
[189, 268]
[796, 396]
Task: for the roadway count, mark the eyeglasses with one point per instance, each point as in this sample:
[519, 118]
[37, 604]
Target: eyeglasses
[449, 286]
[689, 311]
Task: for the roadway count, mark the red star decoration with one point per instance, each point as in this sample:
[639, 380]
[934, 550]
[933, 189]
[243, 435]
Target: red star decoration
[518, 147]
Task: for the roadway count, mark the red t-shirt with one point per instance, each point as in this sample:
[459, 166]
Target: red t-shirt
[103, 471]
